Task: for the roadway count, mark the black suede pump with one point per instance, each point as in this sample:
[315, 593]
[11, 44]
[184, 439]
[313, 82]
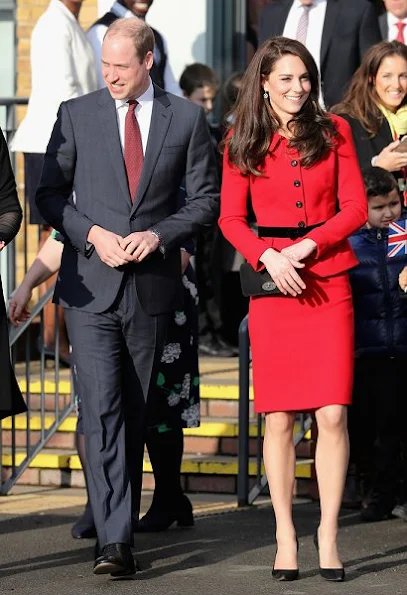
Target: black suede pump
[336, 575]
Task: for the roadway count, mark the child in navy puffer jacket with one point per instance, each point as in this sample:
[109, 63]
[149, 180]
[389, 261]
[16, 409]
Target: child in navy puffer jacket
[379, 405]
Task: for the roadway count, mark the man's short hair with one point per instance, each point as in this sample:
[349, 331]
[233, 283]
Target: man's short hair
[137, 30]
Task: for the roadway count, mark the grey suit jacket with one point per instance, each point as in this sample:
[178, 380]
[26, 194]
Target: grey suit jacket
[85, 155]
[350, 28]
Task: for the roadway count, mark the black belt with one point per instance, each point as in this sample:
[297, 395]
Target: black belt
[286, 232]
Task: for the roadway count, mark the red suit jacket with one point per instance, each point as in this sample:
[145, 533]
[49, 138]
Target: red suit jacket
[289, 195]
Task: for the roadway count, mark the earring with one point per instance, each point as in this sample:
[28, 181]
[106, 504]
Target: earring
[265, 95]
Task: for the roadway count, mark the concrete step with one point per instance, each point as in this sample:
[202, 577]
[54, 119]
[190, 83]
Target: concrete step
[218, 474]
[215, 436]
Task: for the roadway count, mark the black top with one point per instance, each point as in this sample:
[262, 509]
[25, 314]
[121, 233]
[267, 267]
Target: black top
[10, 210]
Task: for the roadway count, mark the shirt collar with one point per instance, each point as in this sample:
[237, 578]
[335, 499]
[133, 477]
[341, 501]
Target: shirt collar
[393, 20]
[146, 97]
[298, 3]
[121, 11]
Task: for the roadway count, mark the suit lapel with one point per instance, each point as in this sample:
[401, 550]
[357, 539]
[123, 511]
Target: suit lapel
[332, 9]
[384, 26]
[160, 121]
[282, 9]
[108, 120]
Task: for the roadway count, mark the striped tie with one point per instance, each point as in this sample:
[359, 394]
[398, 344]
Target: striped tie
[302, 28]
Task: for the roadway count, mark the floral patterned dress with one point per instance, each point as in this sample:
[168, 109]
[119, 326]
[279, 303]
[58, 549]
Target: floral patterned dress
[175, 400]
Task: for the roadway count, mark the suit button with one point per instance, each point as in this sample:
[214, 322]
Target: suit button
[298, 204]
[297, 183]
[294, 163]
[301, 224]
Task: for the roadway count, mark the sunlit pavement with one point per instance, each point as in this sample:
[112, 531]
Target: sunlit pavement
[229, 551]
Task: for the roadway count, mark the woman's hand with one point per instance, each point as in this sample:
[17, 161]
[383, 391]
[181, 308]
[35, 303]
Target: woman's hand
[403, 279]
[390, 159]
[17, 311]
[301, 250]
[282, 269]
[2, 244]
[185, 258]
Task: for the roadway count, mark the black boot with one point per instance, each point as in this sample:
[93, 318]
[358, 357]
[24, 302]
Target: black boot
[169, 504]
[84, 528]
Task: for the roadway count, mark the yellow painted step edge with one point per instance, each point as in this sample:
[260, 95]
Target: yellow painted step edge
[207, 391]
[62, 461]
[206, 429]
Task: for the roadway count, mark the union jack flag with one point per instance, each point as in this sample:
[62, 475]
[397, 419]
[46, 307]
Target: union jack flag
[397, 244]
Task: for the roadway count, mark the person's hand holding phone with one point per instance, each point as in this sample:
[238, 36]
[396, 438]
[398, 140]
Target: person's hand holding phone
[394, 156]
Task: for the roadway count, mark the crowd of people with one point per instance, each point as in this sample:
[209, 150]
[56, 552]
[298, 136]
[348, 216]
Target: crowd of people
[312, 160]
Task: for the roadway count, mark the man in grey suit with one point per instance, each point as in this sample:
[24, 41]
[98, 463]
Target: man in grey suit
[336, 32]
[393, 21]
[123, 151]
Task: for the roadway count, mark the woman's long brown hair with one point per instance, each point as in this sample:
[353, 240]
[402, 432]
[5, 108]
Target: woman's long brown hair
[360, 100]
[255, 122]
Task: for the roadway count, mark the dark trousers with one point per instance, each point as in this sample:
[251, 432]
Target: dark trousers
[376, 425]
[116, 353]
[33, 163]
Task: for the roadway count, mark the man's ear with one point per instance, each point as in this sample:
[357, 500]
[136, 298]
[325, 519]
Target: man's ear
[149, 60]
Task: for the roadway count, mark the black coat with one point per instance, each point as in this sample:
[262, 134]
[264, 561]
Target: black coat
[11, 401]
[350, 28]
[367, 148]
[380, 308]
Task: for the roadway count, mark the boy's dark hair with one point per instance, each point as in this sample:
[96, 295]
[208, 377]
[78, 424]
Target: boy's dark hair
[378, 181]
[196, 76]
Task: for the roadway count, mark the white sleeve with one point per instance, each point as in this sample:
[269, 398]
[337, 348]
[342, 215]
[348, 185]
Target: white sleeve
[56, 65]
[95, 36]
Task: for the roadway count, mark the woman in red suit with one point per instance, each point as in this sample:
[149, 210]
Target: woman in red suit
[299, 165]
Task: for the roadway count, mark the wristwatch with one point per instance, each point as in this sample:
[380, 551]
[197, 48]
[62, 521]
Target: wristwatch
[157, 234]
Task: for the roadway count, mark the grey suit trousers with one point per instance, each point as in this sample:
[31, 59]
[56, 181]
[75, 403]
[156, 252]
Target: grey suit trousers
[116, 353]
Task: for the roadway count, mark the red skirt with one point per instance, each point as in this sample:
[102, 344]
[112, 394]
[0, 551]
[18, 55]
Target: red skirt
[303, 348]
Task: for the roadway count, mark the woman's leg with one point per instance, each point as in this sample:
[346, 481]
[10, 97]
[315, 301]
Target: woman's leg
[331, 462]
[169, 503]
[279, 462]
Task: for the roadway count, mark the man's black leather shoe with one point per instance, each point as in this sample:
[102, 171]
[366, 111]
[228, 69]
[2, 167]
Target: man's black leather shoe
[116, 559]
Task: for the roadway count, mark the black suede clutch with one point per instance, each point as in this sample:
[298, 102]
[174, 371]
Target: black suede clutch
[255, 283]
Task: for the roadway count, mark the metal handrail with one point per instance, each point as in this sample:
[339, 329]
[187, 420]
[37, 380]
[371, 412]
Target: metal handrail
[59, 415]
[245, 496]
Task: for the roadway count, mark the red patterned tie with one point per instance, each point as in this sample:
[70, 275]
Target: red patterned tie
[133, 149]
[400, 31]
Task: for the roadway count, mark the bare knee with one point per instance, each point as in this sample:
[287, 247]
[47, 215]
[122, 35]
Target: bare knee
[280, 423]
[332, 419]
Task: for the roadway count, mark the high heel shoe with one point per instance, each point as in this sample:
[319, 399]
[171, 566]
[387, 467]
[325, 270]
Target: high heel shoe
[329, 574]
[285, 574]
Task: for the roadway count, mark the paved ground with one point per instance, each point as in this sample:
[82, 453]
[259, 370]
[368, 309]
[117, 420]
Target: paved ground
[227, 553]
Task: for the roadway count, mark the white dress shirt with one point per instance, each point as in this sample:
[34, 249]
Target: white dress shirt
[392, 27]
[62, 67]
[143, 113]
[315, 26]
[96, 34]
